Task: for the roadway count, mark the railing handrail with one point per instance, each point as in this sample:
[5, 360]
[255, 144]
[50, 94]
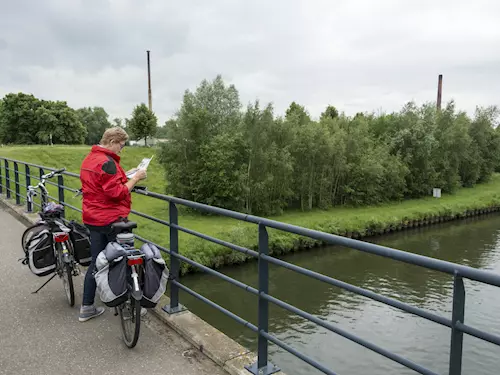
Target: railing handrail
[467, 272]
[456, 323]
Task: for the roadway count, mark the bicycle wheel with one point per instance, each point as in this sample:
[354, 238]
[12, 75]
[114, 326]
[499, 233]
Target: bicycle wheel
[67, 276]
[65, 271]
[28, 233]
[130, 317]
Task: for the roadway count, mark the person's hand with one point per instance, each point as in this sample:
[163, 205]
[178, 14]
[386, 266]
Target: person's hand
[140, 175]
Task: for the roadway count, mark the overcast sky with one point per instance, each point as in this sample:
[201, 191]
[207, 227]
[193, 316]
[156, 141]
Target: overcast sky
[359, 55]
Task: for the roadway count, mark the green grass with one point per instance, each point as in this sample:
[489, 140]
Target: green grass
[363, 221]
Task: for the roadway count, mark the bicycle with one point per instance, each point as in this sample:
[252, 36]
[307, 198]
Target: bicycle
[130, 310]
[62, 247]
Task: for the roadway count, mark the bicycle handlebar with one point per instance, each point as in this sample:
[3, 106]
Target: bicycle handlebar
[32, 189]
[59, 171]
[53, 173]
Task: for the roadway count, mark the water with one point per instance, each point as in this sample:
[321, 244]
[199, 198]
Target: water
[472, 242]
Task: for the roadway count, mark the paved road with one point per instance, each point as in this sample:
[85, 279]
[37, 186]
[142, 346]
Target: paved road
[40, 334]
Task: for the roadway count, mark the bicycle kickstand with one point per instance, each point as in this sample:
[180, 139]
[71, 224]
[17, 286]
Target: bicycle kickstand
[36, 291]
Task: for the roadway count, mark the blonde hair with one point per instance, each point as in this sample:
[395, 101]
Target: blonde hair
[114, 134]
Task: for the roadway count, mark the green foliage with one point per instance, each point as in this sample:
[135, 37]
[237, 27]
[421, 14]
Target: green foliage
[209, 117]
[162, 131]
[263, 165]
[143, 123]
[17, 119]
[25, 119]
[96, 121]
[297, 114]
[330, 112]
[59, 123]
[268, 163]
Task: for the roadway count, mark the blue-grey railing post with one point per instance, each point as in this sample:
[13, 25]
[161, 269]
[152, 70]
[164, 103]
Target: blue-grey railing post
[263, 367]
[175, 265]
[60, 186]
[1, 182]
[16, 181]
[7, 178]
[43, 197]
[457, 335]
[29, 206]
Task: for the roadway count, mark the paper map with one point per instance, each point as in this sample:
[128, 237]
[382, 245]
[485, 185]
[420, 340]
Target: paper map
[143, 165]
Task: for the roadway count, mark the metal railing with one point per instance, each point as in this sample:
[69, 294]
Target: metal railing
[263, 366]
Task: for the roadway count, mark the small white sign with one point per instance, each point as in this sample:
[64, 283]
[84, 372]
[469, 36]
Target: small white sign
[436, 193]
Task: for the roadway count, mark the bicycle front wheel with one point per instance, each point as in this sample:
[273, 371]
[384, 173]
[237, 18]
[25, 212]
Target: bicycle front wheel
[130, 317]
[67, 276]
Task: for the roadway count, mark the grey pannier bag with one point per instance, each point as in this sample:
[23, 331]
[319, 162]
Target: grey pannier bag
[38, 249]
[155, 276]
[111, 275]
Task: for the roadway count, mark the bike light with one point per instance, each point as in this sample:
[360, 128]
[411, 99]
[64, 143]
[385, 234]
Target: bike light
[61, 237]
[134, 261]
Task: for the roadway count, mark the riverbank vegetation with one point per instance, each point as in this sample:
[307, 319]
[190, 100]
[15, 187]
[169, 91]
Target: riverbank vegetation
[256, 162]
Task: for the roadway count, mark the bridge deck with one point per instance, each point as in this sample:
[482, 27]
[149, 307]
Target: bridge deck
[40, 334]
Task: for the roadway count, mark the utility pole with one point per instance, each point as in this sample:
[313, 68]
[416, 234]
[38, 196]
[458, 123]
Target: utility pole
[149, 85]
[440, 90]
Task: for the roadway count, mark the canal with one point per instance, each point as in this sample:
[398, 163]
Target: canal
[474, 242]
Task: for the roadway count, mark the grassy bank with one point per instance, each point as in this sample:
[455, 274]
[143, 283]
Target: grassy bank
[355, 222]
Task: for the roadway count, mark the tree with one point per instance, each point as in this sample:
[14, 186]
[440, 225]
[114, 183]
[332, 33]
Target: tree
[143, 123]
[330, 112]
[25, 119]
[96, 122]
[117, 122]
[297, 114]
[59, 124]
[487, 139]
[269, 166]
[17, 119]
[162, 131]
[212, 110]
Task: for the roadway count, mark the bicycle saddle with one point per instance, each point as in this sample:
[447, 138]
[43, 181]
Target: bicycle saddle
[123, 226]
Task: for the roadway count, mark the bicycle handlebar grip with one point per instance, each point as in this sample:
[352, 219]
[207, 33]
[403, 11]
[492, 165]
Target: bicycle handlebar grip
[59, 170]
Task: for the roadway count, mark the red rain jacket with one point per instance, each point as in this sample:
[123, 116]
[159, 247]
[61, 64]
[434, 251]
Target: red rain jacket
[105, 196]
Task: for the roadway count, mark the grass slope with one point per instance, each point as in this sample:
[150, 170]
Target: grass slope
[343, 221]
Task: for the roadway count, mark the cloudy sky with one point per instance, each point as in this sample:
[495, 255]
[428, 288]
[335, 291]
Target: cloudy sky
[359, 55]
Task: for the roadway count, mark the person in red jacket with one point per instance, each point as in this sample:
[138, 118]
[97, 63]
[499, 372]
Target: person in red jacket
[106, 199]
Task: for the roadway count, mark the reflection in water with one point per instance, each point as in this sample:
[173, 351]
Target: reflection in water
[472, 242]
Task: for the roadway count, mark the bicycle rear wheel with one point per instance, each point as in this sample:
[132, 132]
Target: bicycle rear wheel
[130, 317]
[67, 276]
[66, 273]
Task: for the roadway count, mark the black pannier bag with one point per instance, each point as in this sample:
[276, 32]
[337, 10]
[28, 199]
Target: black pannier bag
[111, 275]
[80, 238]
[155, 276]
[38, 249]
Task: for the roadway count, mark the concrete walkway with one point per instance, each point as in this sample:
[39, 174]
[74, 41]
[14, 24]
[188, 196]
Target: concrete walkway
[40, 334]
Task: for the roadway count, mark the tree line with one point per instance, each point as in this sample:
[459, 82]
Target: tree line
[25, 119]
[254, 161]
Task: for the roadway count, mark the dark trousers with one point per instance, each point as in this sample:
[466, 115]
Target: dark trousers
[99, 238]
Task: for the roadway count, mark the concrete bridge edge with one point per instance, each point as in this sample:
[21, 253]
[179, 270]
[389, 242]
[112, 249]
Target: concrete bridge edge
[221, 349]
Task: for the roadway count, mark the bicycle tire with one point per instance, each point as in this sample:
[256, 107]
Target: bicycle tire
[70, 290]
[130, 338]
[25, 233]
